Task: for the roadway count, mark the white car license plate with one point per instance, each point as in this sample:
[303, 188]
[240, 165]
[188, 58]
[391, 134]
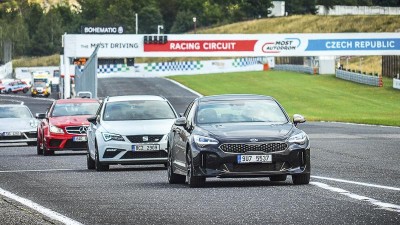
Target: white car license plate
[12, 133]
[79, 138]
[145, 147]
[254, 159]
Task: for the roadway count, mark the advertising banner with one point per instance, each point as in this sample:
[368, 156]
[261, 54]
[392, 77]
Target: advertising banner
[233, 45]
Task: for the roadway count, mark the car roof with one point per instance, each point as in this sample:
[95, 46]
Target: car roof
[134, 97]
[225, 97]
[75, 100]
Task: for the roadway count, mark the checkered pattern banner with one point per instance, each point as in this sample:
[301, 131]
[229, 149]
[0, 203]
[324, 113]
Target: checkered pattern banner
[241, 62]
[174, 66]
[109, 68]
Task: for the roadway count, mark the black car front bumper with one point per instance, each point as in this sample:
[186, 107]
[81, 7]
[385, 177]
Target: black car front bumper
[221, 164]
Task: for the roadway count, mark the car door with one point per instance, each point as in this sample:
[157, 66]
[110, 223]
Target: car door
[182, 136]
[92, 129]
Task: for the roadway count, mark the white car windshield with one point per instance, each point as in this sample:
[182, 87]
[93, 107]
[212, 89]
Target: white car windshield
[138, 110]
[240, 111]
[75, 109]
[14, 112]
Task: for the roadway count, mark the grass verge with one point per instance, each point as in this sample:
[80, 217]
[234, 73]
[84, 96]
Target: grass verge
[318, 98]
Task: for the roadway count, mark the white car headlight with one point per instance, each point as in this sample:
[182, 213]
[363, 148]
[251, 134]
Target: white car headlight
[33, 123]
[203, 141]
[56, 130]
[299, 138]
[114, 137]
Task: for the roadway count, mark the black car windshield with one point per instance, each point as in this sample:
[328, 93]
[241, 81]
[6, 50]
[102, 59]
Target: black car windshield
[39, 84]
[15, 112]
[75, 109]
[138, 110]
[236, 111]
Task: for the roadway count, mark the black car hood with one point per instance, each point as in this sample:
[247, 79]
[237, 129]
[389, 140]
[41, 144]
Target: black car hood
[247, 131]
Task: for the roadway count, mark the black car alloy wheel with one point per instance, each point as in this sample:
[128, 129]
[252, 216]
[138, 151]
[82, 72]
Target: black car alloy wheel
[173, 178]
[99, 166]
[193, 181]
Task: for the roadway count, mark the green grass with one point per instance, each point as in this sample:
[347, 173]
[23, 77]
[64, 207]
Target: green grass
[318, 98]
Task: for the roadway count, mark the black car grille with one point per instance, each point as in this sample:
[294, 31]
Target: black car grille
[75, 145]
[143, 155]
[142, 138]
[76, 130]
[256, 167]
[10, 138]
[245, 147]
[31, 134]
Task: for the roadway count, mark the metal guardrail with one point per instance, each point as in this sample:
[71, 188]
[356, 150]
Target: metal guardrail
[296, 68]
[359, 78]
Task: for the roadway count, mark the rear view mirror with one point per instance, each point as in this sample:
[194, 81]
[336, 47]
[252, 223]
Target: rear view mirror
[92, 119]
[297, 118]
[181, 121]
[40, 116]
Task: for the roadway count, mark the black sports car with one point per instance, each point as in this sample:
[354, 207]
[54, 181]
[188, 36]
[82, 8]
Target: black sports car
[237, 136]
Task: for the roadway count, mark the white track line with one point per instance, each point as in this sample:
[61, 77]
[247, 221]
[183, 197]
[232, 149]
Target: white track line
[358, 183]
[381, 205]
[184, 87]
[43, 210]
[47, 170]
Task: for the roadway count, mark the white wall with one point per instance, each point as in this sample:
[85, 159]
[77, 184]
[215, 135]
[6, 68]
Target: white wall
[358, 10]
[278, 9]
[6, 70]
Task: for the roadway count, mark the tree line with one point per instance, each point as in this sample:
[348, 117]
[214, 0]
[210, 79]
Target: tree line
[36, 30]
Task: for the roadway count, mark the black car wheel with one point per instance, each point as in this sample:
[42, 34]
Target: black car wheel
[47, 152]
[98, 165]
[39, 150]
[25, 90]
[301, 179]
[9, 91]
[278, 177]
[173, 178]
[90, 162]
[193, 181]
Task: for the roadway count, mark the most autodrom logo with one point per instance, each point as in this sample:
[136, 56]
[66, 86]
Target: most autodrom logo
[277, 46]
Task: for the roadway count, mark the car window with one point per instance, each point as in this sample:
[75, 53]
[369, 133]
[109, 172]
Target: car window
[138, 110]
[15, 112]
[240, 111]
[74, 109]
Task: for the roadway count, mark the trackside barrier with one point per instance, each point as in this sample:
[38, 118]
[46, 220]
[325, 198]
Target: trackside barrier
[6, 70]
[86, 81]
[296, 68]
[360, 78]
[396, 82]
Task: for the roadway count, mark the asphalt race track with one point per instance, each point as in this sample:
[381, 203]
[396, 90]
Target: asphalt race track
[355, 180]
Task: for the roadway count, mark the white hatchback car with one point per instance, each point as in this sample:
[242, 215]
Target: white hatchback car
[129, 130]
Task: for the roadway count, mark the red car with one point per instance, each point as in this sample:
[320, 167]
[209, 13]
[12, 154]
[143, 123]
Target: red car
[65, 124]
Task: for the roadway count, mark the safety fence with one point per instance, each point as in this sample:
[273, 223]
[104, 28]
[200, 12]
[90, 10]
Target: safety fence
[359, 78]
[296, 68]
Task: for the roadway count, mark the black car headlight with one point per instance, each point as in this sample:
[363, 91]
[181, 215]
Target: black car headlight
[299, 138]
[202, 141]
[113, 137]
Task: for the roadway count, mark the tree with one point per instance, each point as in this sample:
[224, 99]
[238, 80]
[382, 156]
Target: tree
[150, 18]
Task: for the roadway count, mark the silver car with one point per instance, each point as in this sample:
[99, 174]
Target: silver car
[129, 130]
[17, 124]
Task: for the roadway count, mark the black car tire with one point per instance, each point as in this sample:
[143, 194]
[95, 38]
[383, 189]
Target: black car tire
[174, 178]
[90, 162]
[193, 181]
[25, 90]
[39, 150]
[98, 165]
[47, 152]
[278, 177]
[9, 91]
[301, 179]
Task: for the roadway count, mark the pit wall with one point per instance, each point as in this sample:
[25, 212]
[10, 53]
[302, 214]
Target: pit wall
[360, 78]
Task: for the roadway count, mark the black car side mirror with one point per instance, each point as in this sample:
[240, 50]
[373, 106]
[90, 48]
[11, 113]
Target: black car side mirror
[181, 121]
[297, 118]
[40, 116]
[92, 119]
